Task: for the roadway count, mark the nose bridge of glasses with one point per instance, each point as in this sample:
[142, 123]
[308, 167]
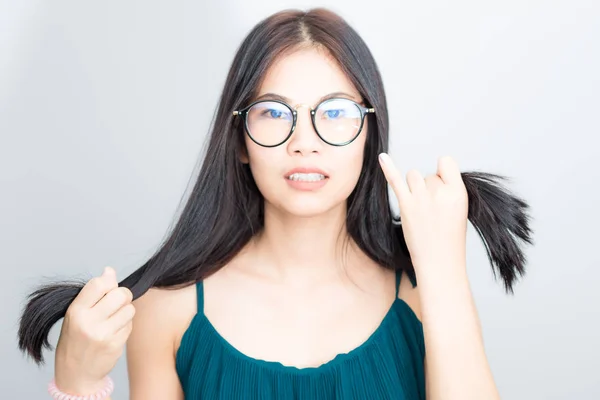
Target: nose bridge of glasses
[302, 105]
[309, 120]
[302, 128]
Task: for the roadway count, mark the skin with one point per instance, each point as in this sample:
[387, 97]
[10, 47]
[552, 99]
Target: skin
[290, 296]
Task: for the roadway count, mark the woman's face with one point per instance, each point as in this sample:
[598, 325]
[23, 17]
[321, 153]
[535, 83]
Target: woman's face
[305, 77]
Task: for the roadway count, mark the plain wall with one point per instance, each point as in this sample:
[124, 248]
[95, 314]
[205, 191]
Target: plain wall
[105, 107]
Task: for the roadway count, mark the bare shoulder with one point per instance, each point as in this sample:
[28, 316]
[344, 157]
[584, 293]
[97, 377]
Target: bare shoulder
[161, 318]
[410, 295]
[166, 311]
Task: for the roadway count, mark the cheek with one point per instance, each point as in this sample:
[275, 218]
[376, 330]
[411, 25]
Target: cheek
[264, 164]
[349, 169]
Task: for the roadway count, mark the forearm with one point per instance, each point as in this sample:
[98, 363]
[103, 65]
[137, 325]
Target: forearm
[457, 366]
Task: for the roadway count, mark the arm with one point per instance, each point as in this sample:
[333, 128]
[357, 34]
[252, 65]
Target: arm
[456, 366]
[434, 215]
[151, 347]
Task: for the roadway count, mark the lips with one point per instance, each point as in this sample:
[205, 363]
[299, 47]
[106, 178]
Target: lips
[306, 170]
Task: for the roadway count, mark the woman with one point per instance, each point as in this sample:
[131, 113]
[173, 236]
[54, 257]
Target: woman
[286, 275]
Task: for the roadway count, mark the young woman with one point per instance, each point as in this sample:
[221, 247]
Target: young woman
[286, 275]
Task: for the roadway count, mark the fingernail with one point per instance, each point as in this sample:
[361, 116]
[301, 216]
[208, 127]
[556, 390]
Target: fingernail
[385, 158]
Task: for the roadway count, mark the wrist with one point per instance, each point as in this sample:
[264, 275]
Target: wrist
[439, 275]
[70, 377]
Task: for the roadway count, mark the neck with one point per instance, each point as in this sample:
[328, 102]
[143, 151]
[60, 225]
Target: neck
[303, 248]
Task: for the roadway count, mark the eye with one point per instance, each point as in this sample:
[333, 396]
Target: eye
[274, 113]
[337, 109]
[271, 111]
[333, 114]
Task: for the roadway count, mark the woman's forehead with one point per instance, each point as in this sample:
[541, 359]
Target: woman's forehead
[305, 76]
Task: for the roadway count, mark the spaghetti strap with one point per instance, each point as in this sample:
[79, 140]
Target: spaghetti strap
[398, 278]
[200, 296]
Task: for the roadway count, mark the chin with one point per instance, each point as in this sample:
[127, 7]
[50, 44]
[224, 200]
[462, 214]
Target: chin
[306, 208]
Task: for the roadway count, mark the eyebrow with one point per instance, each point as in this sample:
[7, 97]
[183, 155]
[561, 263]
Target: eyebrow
[275, 96]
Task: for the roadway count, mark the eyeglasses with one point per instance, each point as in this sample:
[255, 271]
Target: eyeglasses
[337, 121]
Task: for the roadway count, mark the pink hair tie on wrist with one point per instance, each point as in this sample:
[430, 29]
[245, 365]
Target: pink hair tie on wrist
[100, 395]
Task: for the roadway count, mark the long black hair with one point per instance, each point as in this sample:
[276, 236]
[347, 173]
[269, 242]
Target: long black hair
[225, 208]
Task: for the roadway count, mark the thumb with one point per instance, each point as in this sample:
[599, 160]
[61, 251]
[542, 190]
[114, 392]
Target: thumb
[110, 275]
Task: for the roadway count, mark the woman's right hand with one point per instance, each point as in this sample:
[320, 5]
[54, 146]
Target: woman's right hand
[93, 335]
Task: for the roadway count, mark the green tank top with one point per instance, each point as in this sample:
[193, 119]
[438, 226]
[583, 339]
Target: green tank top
[388, 365]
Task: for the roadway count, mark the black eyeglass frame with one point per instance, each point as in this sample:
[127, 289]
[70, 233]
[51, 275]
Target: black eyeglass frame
[313, 112]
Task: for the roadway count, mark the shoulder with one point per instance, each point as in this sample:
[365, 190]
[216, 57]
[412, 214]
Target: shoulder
[165, 312]
[410, 294]
[161, 318]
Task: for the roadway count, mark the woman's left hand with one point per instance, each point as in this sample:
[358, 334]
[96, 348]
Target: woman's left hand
[433, 211]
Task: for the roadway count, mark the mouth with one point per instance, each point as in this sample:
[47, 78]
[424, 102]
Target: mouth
[306, 174]
[306, 177]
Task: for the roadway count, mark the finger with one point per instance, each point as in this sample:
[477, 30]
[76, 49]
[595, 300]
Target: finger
[123, 333]
[118, 340]
[433, 182]
[113, 301]
[393, 176]
[119, 319]
[448, 170]
[96, 288]
[415, 181]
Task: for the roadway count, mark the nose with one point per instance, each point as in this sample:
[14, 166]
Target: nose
[304, 140]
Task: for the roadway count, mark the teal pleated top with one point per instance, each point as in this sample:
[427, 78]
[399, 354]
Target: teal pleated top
[388, 365]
